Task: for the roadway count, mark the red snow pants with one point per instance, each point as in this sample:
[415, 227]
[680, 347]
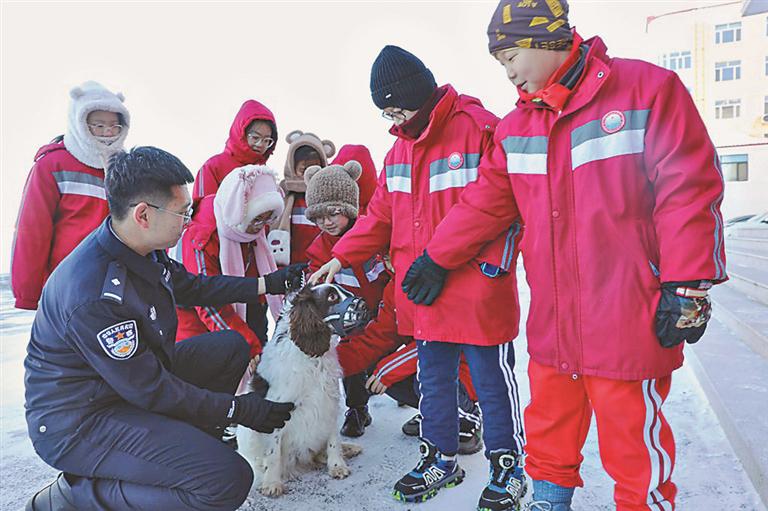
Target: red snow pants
[636, 444]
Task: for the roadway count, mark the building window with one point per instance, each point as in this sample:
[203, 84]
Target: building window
[676, 60]
[766, 66]
[765, 108]
[728, 33]
[727, 109]
[735, 167]
[725, 71]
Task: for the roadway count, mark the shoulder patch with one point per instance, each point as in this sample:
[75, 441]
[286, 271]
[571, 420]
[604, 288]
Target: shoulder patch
[120, 340]
[114, 282]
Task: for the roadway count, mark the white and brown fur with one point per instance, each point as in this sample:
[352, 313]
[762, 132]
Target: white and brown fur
[301, 366]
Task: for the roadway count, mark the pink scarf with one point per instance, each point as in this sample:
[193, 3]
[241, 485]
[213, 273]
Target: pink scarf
[244, 194]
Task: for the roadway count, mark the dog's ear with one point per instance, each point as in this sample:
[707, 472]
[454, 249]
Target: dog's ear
[308, 330]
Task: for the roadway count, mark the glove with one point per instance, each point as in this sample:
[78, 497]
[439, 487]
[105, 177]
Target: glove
[255, 412]
[424, 280]
[683, 312]
[285, 279]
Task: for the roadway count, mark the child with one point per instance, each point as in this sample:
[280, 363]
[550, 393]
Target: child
[620, 188]
[441, 137]
[292, 233]
[251, 140]
[332, 204]
[64, 198]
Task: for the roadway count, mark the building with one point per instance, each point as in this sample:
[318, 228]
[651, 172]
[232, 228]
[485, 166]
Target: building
[721, 54]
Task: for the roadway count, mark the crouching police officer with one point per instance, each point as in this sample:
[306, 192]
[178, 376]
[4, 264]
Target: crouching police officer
[128, 415]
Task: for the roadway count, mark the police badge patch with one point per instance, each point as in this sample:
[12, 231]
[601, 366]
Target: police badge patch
[120, 340]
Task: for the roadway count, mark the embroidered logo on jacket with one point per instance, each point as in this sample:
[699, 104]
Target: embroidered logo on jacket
[455, 161]
[120, 340]
[613, 121]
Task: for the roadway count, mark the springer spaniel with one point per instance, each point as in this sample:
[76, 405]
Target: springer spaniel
[301, 366]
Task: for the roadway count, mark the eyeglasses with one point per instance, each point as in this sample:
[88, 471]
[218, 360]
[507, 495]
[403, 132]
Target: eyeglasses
[186, 216]
[258, 140]
[329, 216]
[101, 128]
[393, 116]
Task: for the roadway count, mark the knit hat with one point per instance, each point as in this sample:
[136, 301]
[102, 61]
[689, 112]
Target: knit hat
[78, 139]
[541, 24]
[332, 188]
[399, 79]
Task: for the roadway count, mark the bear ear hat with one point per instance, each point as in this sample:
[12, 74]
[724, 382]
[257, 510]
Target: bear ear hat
[329, 148]
[290, 137]
[310, 172]
[76, 92]
[354, 169]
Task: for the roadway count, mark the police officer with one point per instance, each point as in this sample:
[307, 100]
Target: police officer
[128, 415]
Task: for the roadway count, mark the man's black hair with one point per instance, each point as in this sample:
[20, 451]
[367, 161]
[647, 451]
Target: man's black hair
[143, 174]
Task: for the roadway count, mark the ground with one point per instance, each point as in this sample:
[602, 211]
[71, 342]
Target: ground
[708, 474]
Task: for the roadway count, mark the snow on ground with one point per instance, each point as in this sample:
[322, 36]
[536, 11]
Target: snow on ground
[708, 474]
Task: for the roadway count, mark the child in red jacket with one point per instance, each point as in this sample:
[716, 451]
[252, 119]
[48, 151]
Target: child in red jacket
[293, 232]
[333, 204]
[609, 164]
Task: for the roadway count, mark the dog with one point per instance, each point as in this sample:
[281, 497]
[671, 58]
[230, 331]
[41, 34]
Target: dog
[300, 365]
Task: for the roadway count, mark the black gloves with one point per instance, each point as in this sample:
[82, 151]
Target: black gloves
[285, 279]
[424, 280]
[255, 412]
[683, 312]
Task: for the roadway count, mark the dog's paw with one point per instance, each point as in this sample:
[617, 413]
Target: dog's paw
[338, 471]
[350, 450]
[272, 489]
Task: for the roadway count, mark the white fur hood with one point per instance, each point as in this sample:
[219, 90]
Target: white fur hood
[78, 139]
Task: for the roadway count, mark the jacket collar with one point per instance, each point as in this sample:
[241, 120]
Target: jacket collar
[439, 113]
[144, 267]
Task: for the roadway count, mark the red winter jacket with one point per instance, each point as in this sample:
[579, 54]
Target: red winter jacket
[395, 356]
[366, 280]
[303, 232]
[367, 180]
[200, 254]
[619, 192]
[422, 180]
[63, 201]
[236, 152]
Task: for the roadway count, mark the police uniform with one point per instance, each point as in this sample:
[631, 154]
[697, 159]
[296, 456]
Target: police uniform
[114, 402]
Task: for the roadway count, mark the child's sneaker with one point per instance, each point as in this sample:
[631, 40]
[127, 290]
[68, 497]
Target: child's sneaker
[506, 486]
[470, 431]
[413, 426]
[433, 472]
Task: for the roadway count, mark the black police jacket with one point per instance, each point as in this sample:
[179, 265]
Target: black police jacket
[104, 333]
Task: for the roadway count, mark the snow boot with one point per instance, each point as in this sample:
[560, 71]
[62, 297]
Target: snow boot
[355, 421]
[434, 471]
[506, 486]
[413, 426]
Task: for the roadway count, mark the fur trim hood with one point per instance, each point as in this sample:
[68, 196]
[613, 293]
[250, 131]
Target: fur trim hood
[296, 139]
[78, 139]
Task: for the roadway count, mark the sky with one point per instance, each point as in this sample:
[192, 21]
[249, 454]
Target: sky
[186, 67]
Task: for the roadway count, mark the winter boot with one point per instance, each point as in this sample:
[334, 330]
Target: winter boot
[434, 471]
[57, 496]
[413, 426]
[355, 422]
[470, 431]
[506, 486]
[550, 497]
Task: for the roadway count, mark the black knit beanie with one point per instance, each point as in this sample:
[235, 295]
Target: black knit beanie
[399, 79]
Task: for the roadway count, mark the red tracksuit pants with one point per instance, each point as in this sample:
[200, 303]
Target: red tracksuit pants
[636, 444]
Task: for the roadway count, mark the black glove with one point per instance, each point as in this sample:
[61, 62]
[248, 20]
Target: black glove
[683, 313]
[255, 412]
[285, 279]
[424, 280]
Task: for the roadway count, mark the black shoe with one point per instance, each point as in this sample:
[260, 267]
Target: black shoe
[507, 485]
[229, 436]
[432, 473]
[470, 431]
[413, 426]
[57, 496]
[356, 421]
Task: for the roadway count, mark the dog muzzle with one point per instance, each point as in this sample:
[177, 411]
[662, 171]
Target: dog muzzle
[349, 316]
